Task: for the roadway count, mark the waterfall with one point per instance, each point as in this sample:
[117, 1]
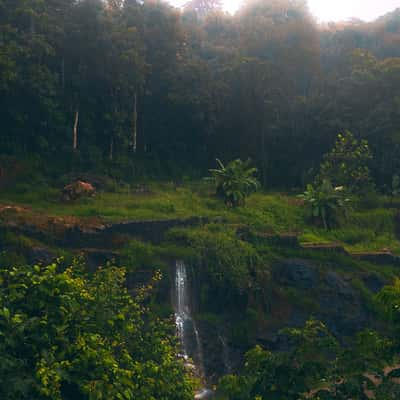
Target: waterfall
[225, 355]
[181, 305]
[186, 327]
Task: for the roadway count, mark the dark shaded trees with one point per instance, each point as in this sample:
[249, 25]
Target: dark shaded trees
[140, 88]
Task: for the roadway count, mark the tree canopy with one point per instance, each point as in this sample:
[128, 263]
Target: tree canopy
[142, 88]
[65, 334]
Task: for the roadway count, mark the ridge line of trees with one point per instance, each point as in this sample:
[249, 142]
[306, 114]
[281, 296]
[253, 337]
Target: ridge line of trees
[140, 88]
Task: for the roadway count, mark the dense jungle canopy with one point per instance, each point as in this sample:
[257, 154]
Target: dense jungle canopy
[146, 89]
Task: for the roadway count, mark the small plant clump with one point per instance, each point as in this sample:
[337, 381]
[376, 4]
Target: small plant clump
[326, 203]
[235, 181]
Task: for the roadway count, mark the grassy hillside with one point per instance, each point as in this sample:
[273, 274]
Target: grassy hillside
[369, 228]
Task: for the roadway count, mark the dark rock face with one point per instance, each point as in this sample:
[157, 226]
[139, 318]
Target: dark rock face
[300, 274]
[98, 257]
[337, 284]
[219, 356]
[341, 306]
[151, 230]
[380, 258]
[373, 283]
[41, 255]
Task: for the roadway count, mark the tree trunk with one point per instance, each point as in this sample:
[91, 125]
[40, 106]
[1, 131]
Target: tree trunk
[75, 132]
[32, 25]
[63, 73]
[134, 130]
[111, 154]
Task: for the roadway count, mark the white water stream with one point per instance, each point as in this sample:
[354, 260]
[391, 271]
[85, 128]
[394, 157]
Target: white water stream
[186, 327]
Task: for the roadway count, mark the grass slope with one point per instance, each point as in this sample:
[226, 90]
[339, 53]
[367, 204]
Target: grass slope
[371, 229]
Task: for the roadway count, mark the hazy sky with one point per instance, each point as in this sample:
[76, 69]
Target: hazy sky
[334, 10]
[367, 10]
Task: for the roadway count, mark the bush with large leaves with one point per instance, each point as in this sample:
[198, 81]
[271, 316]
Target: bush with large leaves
[68, 335]
[235, 181]
[325, 203]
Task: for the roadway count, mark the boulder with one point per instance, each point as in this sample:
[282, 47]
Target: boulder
[99, 182]
[77, 190]
[373, 282]
[300, 274]
[336, 283]
[341, 306]
[41, 255]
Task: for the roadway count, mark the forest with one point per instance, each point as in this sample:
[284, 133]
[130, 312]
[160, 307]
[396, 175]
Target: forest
[196, 204]
[144, 90]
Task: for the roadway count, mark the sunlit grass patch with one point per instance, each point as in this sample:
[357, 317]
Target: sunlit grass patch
[364, 230]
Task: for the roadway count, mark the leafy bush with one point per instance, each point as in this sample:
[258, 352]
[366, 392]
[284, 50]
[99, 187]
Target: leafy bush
[283, 375]
[68, 335]
[389, 296]
[234, 182]
[325, 203]
[226, 263]
[347, 164]
[314, 367]
[137, 254]
[395, 187]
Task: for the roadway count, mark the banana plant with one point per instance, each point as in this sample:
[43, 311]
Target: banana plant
[326, 202]
[235, 181]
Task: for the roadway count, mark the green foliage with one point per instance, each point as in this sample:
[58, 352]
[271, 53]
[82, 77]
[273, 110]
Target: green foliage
[235, 98]
[326, 203]
[227, 261]
[68, 335]
[347, 164]
[234, 182]
[395, 190]
[283, 375]
[314, 367]
[137, 254]
[389, 296]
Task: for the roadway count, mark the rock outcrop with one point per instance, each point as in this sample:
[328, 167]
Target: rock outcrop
[77, 190]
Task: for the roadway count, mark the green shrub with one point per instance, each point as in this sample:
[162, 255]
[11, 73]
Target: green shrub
[227, 263]
[67, 335]
[314, 366]
[137, 254]
[347, 164]
[325, 203]
[234, 182]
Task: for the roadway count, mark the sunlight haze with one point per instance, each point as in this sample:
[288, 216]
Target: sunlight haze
[326, 10]
[337, 10]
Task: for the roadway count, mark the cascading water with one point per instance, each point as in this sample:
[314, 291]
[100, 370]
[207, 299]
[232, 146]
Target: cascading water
[185, 324]
[225, 355]
[186, 327]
